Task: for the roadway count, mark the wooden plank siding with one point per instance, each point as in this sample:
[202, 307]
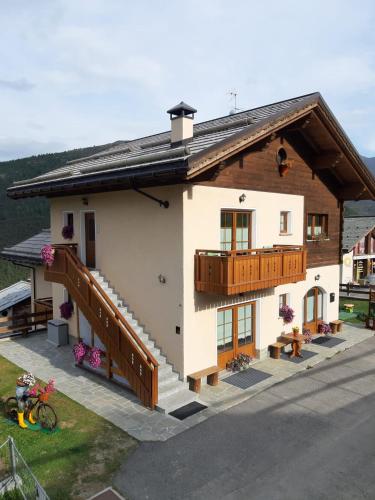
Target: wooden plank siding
[257, 170]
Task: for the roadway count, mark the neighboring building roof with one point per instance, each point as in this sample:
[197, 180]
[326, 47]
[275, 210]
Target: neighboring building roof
[28, 250]
[356, 228]
[152, 161]
[14, 294]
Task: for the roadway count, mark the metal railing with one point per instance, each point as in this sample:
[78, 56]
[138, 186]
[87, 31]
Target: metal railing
[16, 475]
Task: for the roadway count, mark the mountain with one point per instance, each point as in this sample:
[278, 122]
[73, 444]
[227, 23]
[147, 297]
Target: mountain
[363, 207]
[22, 218]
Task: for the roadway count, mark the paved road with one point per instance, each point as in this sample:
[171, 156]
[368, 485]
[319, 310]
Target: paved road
[310, 437]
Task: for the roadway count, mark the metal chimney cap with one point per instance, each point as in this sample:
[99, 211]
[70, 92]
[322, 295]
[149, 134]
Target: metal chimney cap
[182, 109]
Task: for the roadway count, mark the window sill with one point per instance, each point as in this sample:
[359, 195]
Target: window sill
[285, 234]
[316, 241]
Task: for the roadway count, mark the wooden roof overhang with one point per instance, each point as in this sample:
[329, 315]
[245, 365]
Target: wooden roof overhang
[313, 129]
[157, 175]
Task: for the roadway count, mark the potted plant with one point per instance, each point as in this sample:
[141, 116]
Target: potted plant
[95, 357]
[67, 232]
[287, 313]
[324, 328]
[80, 350]
[48, 254]
[307, 335]
[66, 310]
[295, 331]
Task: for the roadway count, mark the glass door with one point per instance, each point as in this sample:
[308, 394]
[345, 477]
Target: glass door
[313, 309]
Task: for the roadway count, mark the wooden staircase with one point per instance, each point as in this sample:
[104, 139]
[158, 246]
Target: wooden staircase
[123, 345]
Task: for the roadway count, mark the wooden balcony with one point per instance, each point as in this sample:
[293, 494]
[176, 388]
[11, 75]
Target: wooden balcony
[233, 272]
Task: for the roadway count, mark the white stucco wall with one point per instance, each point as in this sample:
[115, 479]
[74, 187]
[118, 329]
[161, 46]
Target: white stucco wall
[136, 241]
[202, 206]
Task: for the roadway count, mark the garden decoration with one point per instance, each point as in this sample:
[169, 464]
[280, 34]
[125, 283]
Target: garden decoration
[45, 414]
[295, 331]
[324, 328]
[48, 254]
[23, 385]
[241, 362]
[67, 232]
[287, 313]
[66, 310]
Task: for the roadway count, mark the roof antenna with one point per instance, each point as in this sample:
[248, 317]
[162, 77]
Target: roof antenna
[233, 96]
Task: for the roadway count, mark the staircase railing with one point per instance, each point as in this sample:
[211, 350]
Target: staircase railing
[123, 345]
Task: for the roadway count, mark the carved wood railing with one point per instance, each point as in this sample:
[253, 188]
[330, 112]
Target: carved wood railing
[123, 345]
[233, 272]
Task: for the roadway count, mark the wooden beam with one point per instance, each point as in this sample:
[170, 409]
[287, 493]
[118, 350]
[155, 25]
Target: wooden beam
[329, 159]
[352, 191]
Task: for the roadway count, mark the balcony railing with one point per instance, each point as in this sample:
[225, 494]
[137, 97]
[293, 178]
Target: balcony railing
[233, 272]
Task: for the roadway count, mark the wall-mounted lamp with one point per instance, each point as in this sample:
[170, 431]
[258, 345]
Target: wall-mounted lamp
[85, 201]
[162, 279]
[317, 277]
[242, 198]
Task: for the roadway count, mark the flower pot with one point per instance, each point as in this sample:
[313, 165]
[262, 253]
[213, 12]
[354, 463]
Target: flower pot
[283, 170]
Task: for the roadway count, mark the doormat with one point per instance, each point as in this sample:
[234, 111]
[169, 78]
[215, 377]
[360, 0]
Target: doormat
[305, 354]
[328, 341]
[247, 378]
[188, 410]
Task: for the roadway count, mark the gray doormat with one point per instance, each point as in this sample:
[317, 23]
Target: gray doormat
[327, 341]
[305, 354]
[188, 410]
[247, 378]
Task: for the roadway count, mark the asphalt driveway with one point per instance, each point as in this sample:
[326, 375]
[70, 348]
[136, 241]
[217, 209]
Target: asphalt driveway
[310, 437]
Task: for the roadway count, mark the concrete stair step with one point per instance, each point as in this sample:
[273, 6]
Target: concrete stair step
[173, 387]
[171, 377]
[171, 402]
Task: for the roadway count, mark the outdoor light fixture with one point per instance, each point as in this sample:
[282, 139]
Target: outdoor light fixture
[162, 279]
[242, 198]
[85, 201]
[317, 277]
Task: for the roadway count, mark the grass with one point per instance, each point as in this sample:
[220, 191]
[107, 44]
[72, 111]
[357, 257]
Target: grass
[360, 306]
[76, 461]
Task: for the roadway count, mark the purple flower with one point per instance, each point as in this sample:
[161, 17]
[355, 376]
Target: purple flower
[287, 313]
[48, 254]
[66, 310]
[67, 232]
[95, 357]
[324, 328]
[80, 350]
[307, 336]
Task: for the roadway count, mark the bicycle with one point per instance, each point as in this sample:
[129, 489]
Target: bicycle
[45, 414]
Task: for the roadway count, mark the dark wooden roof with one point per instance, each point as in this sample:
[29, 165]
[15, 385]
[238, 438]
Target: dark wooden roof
[152, 161]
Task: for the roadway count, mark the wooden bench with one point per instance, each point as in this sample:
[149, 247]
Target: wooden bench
[336, 326]
[212, 374]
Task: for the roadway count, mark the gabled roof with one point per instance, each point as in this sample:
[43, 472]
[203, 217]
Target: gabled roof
[152, 160]
[14, 294]
[28, 250]
[356, 228]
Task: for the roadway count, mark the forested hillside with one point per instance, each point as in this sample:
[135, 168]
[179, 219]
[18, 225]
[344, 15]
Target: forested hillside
[22, 218]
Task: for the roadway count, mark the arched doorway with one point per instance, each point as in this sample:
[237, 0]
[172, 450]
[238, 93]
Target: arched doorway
[313, 309]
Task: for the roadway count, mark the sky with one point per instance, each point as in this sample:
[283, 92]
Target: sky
[77, 73]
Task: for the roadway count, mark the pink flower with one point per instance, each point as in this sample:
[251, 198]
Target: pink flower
[80, 350]
[48, 254]
[95, 359]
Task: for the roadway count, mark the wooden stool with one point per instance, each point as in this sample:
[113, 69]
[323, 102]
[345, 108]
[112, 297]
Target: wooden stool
[336, 326]
[275, 349]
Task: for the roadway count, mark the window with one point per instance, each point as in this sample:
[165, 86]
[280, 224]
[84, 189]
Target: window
[235, 230]
[283, 300]
[284, 222]
[317, 226]
[235, 327]
[68, 219]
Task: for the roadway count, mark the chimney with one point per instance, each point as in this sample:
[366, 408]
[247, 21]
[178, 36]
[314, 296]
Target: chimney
[182, 117]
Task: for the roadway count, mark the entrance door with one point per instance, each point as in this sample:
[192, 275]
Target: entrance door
[90, 239]
[235, 332]
[313, 309]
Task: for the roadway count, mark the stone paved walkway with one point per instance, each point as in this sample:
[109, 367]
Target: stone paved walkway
[122, 408]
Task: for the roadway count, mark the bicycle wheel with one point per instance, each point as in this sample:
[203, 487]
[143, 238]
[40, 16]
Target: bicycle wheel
[47, 417]
[11, 409]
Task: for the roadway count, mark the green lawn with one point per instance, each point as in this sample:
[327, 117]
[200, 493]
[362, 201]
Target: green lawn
[77, 460]
[360, 306]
